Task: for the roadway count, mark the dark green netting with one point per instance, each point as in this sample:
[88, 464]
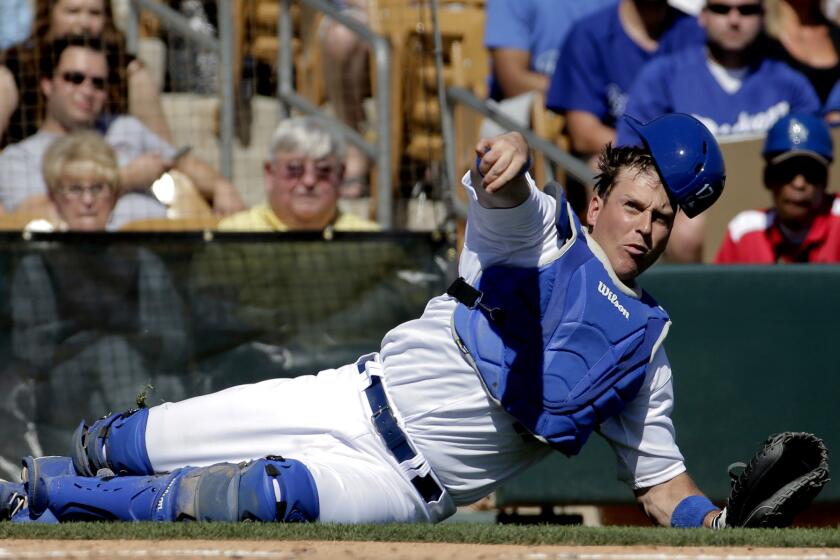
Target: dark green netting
[88, 321]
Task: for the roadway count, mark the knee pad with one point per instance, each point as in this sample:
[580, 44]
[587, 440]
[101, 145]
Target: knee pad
[298, 496]
[116, 442]
[270, 489]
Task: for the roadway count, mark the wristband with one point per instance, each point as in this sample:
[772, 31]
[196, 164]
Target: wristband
[525, 168]
[691, 512]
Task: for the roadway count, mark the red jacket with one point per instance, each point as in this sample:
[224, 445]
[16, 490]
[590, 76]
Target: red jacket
[753, 237]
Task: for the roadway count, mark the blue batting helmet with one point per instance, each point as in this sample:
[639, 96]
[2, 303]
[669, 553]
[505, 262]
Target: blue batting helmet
[799, 134]
[687, 157]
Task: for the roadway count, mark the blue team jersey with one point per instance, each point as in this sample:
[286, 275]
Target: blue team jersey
[833, 102]
[536, 26]
[683, 83]
[600, 62]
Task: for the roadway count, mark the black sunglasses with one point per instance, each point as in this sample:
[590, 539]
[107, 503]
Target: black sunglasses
[784, 172]
[77, 78]
[743, 9]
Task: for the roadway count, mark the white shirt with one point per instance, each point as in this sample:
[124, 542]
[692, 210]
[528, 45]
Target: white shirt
[468, 439]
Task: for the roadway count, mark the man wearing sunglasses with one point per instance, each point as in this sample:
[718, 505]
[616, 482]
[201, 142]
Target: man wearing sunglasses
[730, 85]
[803, 225]
[303, 175]
[602, 56]
[74, 79]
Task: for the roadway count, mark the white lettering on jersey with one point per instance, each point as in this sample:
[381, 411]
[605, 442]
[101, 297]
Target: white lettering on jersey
[747, 124]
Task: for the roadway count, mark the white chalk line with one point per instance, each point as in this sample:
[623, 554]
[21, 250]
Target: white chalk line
[145, 553]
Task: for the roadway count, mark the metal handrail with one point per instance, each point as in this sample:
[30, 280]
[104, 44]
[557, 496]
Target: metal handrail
[381, 150]
[289, 99]
[574, 166]
[223, 46]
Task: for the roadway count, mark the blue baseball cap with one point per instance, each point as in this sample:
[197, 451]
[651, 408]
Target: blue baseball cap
[799, 134]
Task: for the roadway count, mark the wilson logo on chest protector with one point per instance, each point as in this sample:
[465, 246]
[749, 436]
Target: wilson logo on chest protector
[610, 295]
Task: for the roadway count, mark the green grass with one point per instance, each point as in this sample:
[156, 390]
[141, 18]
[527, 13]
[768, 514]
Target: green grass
[478, 533]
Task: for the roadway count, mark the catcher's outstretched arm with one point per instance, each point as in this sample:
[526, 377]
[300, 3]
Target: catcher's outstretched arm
[660, 502]
[499, 173]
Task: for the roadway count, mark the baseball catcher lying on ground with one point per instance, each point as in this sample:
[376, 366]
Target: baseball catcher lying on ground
[544, 339]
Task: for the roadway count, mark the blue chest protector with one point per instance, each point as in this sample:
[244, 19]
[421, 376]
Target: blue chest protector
[564, 348]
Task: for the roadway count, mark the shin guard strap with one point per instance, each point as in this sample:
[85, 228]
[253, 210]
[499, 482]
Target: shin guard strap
[272, 489]
[116, 442]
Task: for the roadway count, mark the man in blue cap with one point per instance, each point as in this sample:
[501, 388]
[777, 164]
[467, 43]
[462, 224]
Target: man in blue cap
[545, 339]
[803, 225]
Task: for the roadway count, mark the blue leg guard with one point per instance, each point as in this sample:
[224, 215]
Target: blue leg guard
[271, 489]
[36, 472]
[116, 442]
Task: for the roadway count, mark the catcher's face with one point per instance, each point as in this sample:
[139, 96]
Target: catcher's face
[633, 223]
[303, 192]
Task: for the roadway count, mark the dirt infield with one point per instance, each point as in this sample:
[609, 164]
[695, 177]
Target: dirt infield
[319, 550]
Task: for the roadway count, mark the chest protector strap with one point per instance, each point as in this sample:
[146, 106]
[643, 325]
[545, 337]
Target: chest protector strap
[560, 347]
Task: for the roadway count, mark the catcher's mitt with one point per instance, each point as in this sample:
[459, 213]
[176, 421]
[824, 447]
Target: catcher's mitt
[781, 480]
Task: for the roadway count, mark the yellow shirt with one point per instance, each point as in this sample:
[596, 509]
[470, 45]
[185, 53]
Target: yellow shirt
[263, 218]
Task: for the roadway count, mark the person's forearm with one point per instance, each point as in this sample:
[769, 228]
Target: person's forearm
[659, 502]
[514, 74]
[144, 101]
[211, 184]
[133, 178]
[203, 176]
[521, 82]
[587, 133]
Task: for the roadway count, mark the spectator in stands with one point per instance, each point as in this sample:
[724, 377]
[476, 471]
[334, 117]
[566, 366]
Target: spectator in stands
[131, 87]
[346, 58]
[75, 93]
[524, 39]
[803, 225]
[806, 40]
[730, 85]
[831, 108]
[83, 180]
[602, 55]
[302, 179]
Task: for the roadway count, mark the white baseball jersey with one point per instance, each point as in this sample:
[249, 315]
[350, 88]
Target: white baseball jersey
[467, 440]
